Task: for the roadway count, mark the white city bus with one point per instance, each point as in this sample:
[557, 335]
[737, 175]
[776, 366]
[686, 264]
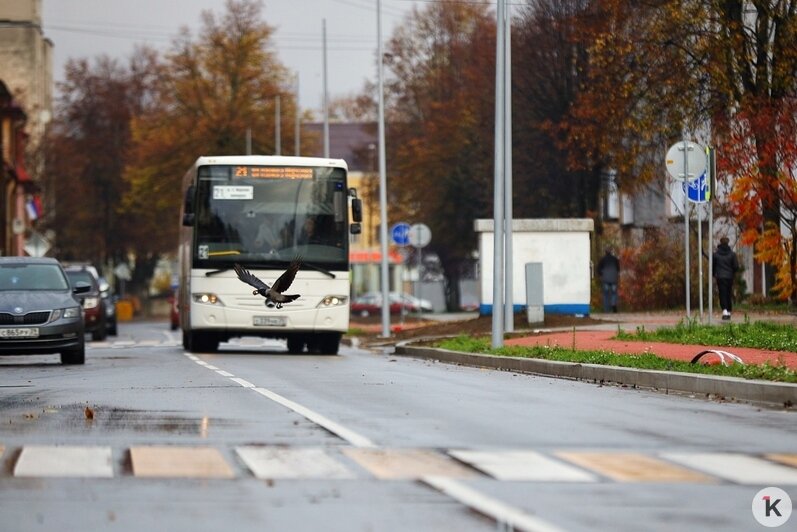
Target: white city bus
[262, 212]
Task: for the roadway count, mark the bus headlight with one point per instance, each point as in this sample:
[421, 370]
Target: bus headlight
[208, 299]
[333, 301]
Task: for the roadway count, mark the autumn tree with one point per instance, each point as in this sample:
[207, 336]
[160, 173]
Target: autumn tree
[658, 69]
[550, 59]
[211, 88]
[441, 114]
[86, 153]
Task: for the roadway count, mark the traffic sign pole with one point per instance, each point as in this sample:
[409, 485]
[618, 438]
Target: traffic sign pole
[686, 228]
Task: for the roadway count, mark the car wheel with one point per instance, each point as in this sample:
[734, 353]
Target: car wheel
[74, 356]
[174, 326]
[100, 334]
[112, 330]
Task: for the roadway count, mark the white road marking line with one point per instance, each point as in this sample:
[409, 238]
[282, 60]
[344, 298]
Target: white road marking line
[333, 427]
[224, 373]
[64, 461]
[211, 366]
[276, 462]
[123, 343]
[202, 363]
[522, 465]
[242, 382]
[148, 343]
[737, 467]
[515, 518]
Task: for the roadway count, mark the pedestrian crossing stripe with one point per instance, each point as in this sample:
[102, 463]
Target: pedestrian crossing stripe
[407, 464]
[283, 463]
[523, 465]
[272, 462]
[633, 467]
[788, 459]
[162, 461]
[737, 467]
[64, 461]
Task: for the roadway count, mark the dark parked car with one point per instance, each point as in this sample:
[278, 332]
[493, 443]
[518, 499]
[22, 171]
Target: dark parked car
[110, 306]
[93, 303]
[39, 311]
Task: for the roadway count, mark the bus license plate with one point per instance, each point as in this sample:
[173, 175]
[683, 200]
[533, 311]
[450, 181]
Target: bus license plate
[26, 332]
[270, 321]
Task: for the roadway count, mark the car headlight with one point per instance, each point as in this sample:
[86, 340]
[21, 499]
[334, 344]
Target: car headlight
[333, 301]
[209, 299]
[72, 312]
[91, 302]
[66, 313]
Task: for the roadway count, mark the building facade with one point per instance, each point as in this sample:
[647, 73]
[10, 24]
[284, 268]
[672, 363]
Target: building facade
[26, 100]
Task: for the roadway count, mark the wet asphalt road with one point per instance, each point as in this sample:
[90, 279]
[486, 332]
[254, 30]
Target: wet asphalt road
[366, 441]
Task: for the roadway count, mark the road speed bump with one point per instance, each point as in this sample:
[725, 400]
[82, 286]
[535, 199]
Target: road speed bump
[164, 461]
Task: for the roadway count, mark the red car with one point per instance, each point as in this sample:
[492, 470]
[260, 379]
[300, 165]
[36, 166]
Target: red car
[174, 311]
[370, 304]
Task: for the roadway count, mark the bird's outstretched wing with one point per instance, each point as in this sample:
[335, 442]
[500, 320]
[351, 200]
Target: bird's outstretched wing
[285, 280]
[248, 278]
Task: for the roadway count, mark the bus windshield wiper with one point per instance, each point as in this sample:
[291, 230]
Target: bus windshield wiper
[319, 269]
[216, 272]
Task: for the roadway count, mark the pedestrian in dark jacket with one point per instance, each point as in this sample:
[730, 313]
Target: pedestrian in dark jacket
[725, 266]
[609, 272]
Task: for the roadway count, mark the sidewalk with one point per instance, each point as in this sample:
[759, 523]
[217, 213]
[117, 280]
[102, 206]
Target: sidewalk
[599, 337]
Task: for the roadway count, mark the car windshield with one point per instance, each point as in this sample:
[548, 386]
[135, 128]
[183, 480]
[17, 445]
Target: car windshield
[32, 277]
[76, 276]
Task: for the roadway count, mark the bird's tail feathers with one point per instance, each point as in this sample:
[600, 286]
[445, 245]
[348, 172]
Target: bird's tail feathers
[292, 297]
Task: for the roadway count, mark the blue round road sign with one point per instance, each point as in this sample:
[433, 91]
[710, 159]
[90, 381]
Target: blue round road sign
[697, 189]
[400, 233]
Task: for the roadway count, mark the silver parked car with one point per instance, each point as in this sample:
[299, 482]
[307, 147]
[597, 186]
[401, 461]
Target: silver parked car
[39, 313]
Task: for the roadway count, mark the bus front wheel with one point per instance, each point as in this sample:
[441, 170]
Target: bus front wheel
[325, 343]
[295, 344]
[200, 342]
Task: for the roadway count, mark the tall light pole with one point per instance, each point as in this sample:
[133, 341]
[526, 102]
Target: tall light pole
[382, 179]
[498, 184]
[297, 132]
[509, 301]
[277, 129]
[326, 97]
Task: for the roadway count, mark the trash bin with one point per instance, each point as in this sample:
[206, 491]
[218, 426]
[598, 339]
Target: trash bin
[124, 310]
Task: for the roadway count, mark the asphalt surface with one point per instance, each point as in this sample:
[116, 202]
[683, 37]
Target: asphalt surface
[254, 438]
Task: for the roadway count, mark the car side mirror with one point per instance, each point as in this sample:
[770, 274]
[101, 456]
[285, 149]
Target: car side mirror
[188, 207]
[357, 210]
[81, 287]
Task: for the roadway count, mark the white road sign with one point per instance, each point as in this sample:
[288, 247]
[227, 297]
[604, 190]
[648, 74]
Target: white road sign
[36, 245]
[420, 235]
[694, 155]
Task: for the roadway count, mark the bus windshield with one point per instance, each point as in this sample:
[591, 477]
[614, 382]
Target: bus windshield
[261, 214]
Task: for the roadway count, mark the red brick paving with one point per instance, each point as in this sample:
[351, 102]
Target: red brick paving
[602, 340]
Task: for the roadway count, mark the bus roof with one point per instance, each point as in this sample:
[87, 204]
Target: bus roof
[267, 160]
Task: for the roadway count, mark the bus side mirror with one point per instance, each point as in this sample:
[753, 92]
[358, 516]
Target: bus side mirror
[356, 228]
[188, 207]
[357, 210]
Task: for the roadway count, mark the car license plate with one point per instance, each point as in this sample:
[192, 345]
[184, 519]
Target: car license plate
[270, 321]
[25, 332]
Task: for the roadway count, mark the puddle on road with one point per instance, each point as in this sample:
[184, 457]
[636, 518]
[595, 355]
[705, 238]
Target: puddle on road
[109, 419]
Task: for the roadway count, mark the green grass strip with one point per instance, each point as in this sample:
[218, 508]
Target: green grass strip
[759, 335]
[482, 345]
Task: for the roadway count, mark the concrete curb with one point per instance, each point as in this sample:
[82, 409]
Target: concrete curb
[727, 387]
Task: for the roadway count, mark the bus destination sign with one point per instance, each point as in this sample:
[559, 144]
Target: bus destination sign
[274, 172]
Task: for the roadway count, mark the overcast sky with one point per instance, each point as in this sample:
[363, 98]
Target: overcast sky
[87, 28]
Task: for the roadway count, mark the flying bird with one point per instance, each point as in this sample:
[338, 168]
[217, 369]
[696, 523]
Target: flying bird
[273, 294]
